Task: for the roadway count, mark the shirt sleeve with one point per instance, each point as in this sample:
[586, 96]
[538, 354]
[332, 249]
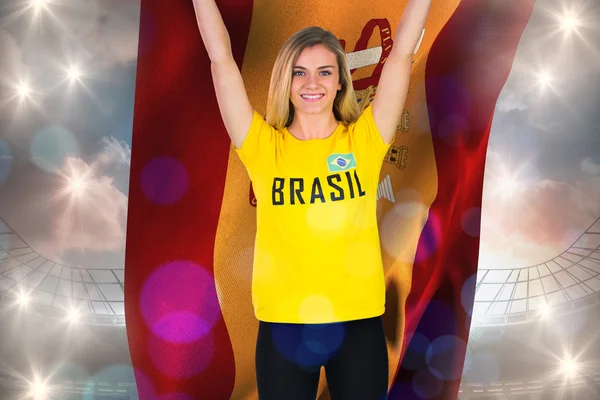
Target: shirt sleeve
[367, 135]
[258, 142]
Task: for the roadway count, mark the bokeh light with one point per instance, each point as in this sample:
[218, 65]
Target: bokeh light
[326, 220]
[179, 302]
[415, 355]
[409, 209]
[368, 251]
[471, 221]
[430, 238]
[441, 357]
[181, 326]
[401, 227]
[426, 385]
[51, 145]
[309, 345]
[182, 360]
[401, 390]
[439, 319]
[455, 129]
[455, 95]
[164, 180]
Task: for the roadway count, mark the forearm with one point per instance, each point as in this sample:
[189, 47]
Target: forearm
[213, 31]
[410, 27]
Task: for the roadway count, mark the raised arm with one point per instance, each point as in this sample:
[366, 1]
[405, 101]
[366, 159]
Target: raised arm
[232, 98]
[392, 89]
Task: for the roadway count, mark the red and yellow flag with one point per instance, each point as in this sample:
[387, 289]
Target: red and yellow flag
[191, 221]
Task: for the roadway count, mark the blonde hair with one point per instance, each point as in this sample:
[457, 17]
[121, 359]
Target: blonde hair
[280, 110]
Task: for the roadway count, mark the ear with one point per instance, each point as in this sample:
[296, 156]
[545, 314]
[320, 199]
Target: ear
[339, 86]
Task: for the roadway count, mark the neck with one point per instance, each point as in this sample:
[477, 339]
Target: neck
[313, 126]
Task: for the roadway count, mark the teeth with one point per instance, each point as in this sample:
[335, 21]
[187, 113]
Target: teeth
[307, 96]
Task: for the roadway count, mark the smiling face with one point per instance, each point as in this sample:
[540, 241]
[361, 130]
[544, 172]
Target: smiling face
[315, 80]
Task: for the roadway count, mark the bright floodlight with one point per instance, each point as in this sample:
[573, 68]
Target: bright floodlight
[569, 23]
[39, 390]
[23, 299]
[569, 367]
[38, 5]
[77, 185]
[508, 186]
[73, 316]
[23, 89]
[545, 311]
[544, 79]
[73, 73]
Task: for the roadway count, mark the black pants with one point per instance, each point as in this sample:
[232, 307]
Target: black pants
[354, 354]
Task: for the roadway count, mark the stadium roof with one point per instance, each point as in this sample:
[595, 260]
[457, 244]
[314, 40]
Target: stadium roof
[567, 282]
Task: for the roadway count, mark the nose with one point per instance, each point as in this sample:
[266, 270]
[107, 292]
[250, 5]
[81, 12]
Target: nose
[311, 80]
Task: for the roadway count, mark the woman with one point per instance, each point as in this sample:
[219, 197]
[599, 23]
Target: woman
[318, 287]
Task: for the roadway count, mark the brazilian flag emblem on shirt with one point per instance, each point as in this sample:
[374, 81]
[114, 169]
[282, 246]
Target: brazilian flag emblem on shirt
[341, 162]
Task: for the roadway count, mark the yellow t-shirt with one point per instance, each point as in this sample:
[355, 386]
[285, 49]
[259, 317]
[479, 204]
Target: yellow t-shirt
[317, 256]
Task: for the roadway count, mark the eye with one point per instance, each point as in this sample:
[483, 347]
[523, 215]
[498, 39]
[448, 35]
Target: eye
[297, 73]
[326, 72]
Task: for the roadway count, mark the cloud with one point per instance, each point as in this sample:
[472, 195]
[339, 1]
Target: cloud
[511, 100]
[114, 160]
[514, 95]
[115, 152]
[590, 167]
[538, 222]
[96, 33]
[60, 223]
[92, 219]
[107, 30]
[11, 62]
[12, 69]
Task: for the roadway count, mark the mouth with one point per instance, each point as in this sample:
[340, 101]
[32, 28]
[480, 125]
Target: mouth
[312, 97]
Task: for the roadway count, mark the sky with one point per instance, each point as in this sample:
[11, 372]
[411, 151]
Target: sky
[542, 185]
[68, 127]
[542, 181]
